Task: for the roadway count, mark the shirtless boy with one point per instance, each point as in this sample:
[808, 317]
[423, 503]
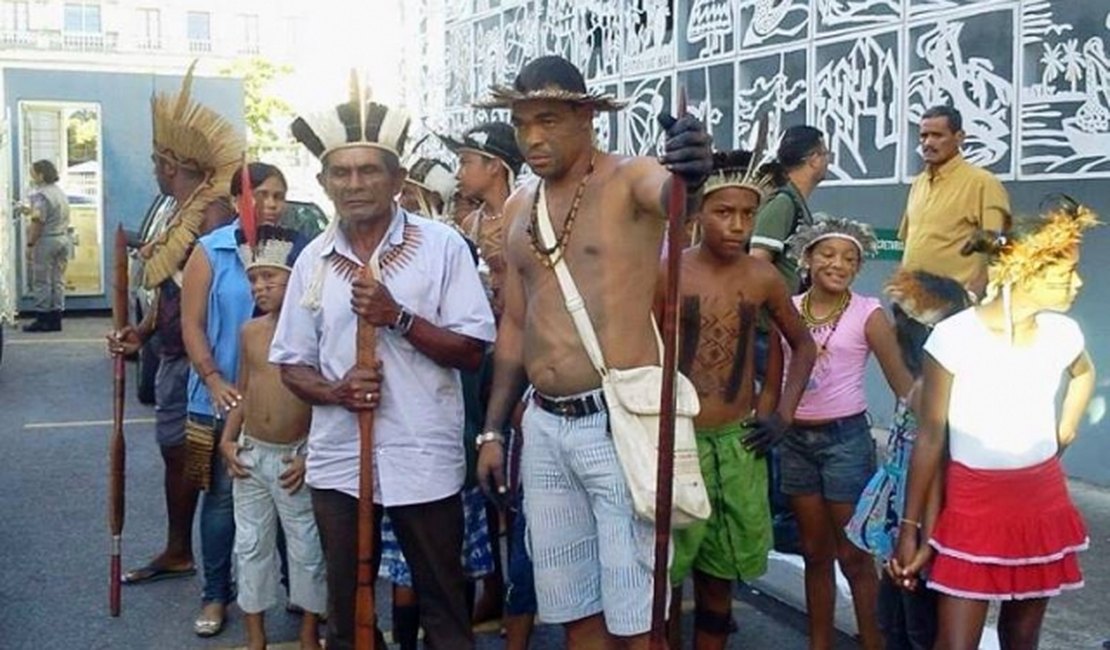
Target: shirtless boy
[723, 290]
[262, 444]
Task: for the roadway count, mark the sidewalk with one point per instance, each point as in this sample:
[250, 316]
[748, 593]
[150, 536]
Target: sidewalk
[1075, 620]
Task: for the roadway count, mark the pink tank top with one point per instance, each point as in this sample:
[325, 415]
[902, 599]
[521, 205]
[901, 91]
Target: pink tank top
[835, 388]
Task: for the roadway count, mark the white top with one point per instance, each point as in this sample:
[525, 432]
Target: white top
[1002, 409]
[418, 427]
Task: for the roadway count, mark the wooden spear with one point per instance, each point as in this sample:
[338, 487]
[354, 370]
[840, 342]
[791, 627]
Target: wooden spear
[367, 337]
[676, 224]
[116, 445]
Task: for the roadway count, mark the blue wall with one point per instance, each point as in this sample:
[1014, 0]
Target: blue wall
[124, 98]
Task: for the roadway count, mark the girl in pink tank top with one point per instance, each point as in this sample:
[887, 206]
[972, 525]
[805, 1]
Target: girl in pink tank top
[829, 456]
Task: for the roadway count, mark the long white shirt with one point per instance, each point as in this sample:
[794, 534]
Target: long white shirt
[418, 425]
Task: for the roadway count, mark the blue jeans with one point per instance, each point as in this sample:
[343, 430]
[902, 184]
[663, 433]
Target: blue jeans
[217, 526]
[908, 619]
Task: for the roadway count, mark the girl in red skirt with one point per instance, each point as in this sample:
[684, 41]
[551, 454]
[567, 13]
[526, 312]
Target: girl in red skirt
[1006, 529]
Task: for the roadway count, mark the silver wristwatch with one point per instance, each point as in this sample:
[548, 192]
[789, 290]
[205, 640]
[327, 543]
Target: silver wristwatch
[488, 436]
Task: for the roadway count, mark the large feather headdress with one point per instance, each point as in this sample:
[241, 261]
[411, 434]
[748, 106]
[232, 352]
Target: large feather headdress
[357, 122]
[197, 138]
[1023, 255]
[194, 136]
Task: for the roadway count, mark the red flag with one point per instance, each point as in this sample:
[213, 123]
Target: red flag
[247, 221]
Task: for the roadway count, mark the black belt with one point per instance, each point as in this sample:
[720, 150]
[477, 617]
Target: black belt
[571, 407]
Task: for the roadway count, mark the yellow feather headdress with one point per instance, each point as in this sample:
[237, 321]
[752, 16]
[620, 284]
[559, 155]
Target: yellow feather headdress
[1020, 257]
[194, 137]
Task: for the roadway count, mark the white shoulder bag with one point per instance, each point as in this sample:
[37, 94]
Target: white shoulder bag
[632, 396]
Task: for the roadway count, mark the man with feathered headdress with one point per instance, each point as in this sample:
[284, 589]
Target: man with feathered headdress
[195, 154]
[723, 291]
[415, 281]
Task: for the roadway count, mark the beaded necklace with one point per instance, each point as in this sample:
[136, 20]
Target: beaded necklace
[549, 256]
[834, 316]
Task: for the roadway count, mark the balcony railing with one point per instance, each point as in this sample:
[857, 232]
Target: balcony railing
[17, 39]
[86, 42]
[196, 45]
[149, 44]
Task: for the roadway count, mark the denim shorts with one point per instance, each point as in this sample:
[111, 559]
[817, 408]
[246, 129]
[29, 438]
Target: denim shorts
[835, 460]
[590, 552]
[171, 401]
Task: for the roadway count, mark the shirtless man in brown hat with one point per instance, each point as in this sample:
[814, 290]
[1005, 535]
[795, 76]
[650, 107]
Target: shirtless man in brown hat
[608, 213]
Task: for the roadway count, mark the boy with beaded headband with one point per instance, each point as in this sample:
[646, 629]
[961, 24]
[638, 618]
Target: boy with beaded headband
[829, 456]
[991, 379]
[263, 447]
[723, 290]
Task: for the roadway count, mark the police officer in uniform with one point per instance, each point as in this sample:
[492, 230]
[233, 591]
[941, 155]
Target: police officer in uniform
[47, 247]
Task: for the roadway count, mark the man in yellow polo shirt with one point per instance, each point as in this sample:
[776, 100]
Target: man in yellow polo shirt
[948, 203]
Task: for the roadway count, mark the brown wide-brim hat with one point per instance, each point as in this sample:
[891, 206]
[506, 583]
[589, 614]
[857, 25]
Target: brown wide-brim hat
[551, 78]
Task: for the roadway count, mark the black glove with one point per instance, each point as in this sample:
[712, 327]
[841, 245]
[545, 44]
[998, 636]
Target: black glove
[766, 433]
[689, 149]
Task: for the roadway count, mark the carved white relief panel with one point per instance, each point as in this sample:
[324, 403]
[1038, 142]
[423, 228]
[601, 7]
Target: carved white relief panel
[648, 35]
[836, 15]
[489, 54]
[710, 95]
[966, 62]
[460, 55]
[482, 6]
[607, 123]
[708, 28]
[926, 8]
[775, 85]
[764, 23]
[858, 104]
[457, 9]
[640, 133]
[601, 37]
[558, 28]
[521, 29]
[1065, 93]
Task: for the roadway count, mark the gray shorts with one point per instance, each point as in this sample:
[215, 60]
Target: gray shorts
[835, 460]
[590, 552]
[171, 401]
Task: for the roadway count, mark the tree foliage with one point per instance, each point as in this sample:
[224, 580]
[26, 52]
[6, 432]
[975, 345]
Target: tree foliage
[263, 112]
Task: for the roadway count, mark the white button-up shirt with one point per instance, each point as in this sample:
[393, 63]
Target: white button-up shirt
[418, 426]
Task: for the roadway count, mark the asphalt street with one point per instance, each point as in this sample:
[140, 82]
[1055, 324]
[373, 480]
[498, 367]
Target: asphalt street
[55, 413]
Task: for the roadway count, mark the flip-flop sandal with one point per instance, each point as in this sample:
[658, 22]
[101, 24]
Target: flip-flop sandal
[151, 573]
[206, 627]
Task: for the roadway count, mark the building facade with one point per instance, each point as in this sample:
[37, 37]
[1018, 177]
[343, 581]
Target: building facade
[1031, 77]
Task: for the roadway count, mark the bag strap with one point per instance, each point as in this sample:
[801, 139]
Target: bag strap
[571, 297]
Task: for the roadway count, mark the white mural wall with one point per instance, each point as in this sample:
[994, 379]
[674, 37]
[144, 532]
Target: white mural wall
[1031, 77]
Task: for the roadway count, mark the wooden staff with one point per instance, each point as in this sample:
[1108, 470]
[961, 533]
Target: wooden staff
[116, 446]
[367, 338]
[676, 224]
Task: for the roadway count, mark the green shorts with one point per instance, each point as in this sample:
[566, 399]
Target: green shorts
[734, 542]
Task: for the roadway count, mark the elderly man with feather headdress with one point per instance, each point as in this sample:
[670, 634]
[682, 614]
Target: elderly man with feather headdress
[723, 290]
[195, 154]
[426, 300]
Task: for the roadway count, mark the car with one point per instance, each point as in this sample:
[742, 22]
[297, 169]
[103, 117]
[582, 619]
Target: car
[304, 216]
